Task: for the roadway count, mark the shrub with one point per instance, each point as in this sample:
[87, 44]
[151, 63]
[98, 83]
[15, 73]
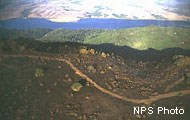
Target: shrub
[39, 72]
[103, 55]
[183, 61]
[92, 51]
[76, 86]
[83, 51]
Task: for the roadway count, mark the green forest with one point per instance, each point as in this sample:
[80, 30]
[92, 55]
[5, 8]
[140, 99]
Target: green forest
[141, 38]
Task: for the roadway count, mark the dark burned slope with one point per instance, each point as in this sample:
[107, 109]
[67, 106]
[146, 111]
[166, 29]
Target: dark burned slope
[141, 55]
[127, 73]
[123, 51]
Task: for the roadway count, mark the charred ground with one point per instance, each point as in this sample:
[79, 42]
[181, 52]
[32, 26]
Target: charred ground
[123, 71]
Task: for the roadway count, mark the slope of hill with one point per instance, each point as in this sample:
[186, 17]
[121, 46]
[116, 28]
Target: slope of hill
[62, 35]
[146, 37]
[37, 82]
[12, 34]
[139, 38]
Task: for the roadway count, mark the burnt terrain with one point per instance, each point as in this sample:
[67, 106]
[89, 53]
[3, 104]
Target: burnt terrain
[36, 80]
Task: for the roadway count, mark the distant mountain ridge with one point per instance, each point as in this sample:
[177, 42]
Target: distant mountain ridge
[74, 10]
[88, 24]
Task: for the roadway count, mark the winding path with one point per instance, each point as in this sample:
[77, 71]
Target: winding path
[148, 101]
[174, 84]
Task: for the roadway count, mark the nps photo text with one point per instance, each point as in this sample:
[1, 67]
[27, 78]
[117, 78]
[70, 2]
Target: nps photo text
[158, 110]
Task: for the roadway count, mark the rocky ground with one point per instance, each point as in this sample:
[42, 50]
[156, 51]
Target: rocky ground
[37, 85]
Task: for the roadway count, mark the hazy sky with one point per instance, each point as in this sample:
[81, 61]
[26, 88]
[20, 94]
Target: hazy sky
[73, 10]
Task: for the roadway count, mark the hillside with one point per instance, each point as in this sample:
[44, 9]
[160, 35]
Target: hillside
[145, 37]
[12, 34]
[75, 81]
[139, 38]
[62, 35]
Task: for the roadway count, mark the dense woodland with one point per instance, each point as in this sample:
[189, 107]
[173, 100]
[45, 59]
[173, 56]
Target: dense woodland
[141, 38]
[8, 34]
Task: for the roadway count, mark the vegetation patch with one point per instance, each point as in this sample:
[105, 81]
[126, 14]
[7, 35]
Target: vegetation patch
[183, 61]
[141, 38]
[76, 86]
[39, 72]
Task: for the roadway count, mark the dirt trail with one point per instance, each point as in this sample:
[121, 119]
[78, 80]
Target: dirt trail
[174, 84]
[149, 100]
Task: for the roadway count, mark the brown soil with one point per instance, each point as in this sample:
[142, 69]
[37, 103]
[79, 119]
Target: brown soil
[115, 86]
